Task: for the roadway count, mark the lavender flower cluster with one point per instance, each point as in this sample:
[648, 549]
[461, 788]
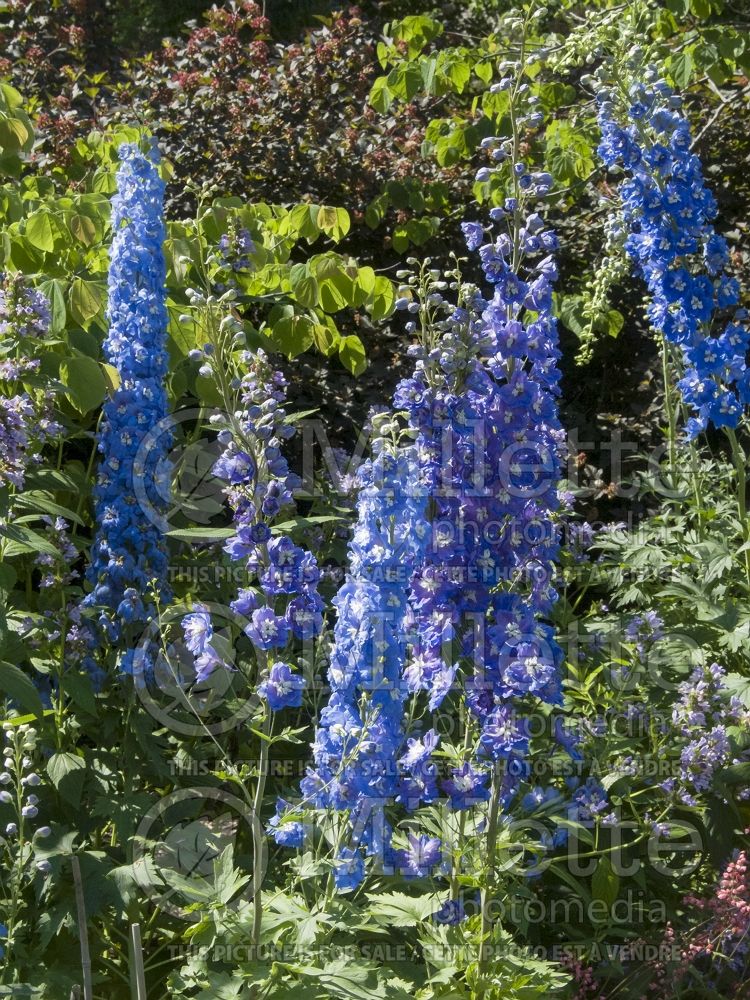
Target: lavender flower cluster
[260, 487]
[26, 418]
[703, 716]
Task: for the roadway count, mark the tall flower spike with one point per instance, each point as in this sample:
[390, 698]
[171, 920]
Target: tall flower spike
[128, 551]
[483, 402]
[361, 729]
[668, 216]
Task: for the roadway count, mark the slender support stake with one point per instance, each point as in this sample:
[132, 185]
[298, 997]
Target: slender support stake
[137, 959]
[83, 933]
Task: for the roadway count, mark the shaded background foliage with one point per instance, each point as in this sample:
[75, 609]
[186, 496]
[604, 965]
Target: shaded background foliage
[271, 102]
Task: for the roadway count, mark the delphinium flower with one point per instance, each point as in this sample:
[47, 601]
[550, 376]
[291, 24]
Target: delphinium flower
[668, 215]
[452, 533]
[483, 403]
[128, 555]
[361, 730]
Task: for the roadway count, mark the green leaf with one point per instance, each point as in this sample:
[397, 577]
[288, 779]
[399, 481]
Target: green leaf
[43, 503]
[681, 67]
[201, 534]
[40, 231]
[304, 523]
[84, 381]
[302, 221]
[292, 335]
[10, 97]
[111, 377]
[483, 70]
[87, 299]
[383, 298]
[182, 333]
[23, 539]
[352, 354]
[396, 909]
[381, 95]
[336, 292]
[8, 577]
[334, 222]
[304, 285]
[605, 882]
[16, 133]
[54, 291]
[17, 685]
[568, 152]
[83, 228]
[67, 773]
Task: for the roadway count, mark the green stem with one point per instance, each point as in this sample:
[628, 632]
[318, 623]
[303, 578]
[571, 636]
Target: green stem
[487, 891]
[670, 412]
[258, 838]
[741, 472]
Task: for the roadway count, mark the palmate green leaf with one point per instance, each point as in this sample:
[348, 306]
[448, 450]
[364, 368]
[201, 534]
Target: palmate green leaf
[15, 684]
[569, 154]
[396, 909]
[228, 880]
[342, 978]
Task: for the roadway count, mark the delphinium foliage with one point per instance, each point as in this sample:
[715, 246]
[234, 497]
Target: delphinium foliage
[128, 559]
